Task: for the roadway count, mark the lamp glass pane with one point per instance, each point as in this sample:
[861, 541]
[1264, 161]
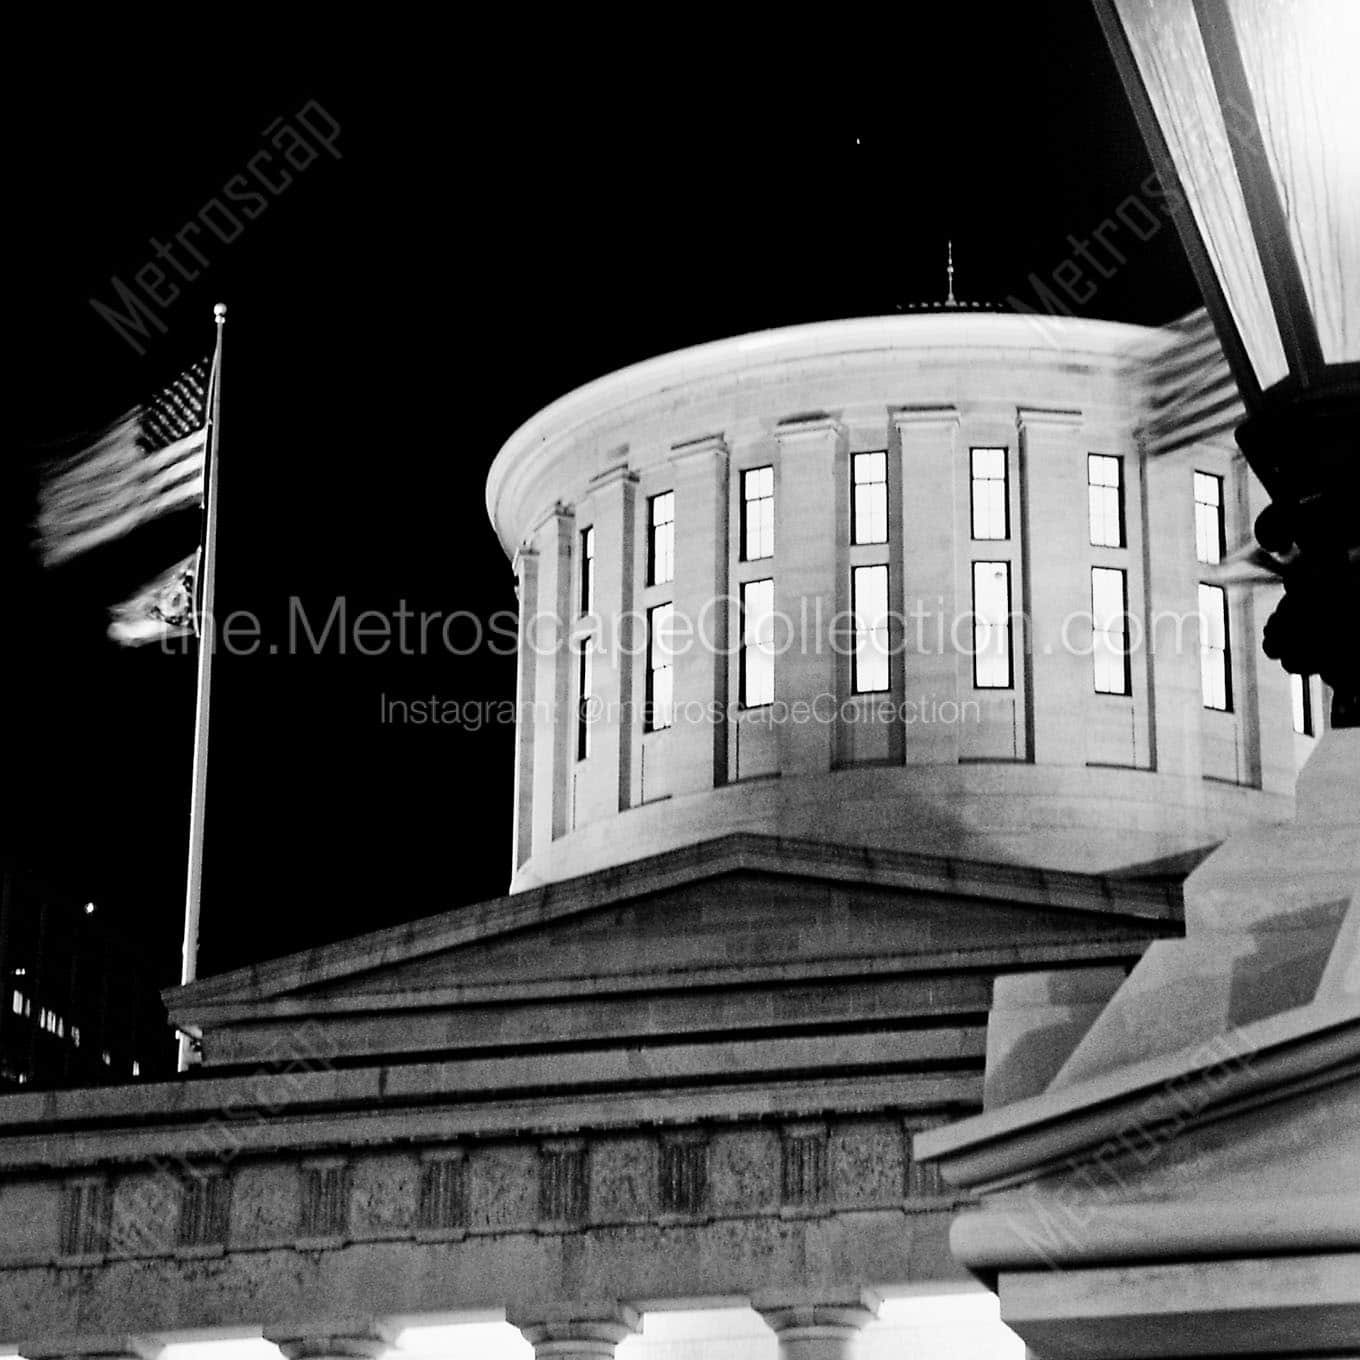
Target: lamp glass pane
[1300, 63]
[1166, 44]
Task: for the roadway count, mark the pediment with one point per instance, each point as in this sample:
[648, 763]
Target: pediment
[741, 921]
[731, 917]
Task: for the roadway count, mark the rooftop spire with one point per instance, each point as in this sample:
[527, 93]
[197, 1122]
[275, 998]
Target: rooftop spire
[949, 271]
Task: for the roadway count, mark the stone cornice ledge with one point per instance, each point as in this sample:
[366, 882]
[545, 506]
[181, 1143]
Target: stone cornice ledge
[1259, 1063]
[1023, 1238]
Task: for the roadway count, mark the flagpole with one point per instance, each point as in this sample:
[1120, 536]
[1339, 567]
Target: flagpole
[207, 573]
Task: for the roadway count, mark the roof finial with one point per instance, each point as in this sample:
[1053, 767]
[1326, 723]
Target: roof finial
[949, 270]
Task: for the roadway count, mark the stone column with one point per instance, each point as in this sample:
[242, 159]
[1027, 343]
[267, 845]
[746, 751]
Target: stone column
[817, 1331]
[578, 1332]
[699, 743]
[805, 540]
[334, 1340]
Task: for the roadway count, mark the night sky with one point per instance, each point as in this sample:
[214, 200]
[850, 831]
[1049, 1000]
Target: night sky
[511, 213]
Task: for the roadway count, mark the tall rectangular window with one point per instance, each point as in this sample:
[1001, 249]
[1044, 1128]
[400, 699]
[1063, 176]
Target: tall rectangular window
[869, 602]
[1210, 530]
[1110, 631]
[991, 508]
[584, 698]
[869, 498]
[1215, 652]
[757, 514]
[757, 652]
[588, 571]
[1301, 692]
[1105, 499]
[660, 711]
[661, 539]
[992, 625]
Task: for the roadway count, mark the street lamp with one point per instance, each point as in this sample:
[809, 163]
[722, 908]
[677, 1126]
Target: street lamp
[1251, 112]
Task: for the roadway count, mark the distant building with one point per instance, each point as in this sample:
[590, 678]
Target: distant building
[79, 1006]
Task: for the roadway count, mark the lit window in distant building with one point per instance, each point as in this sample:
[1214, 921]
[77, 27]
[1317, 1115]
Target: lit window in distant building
[659, 711]
[1301, 692]
[588, 570]
[991, 510]
[869, 590]
[757, 514]
[1215, 653]
[992, 625]
[661, 539]
[757, 636]
[1210, 529]
[869, 499]
[1110, 631]
[1105, 496]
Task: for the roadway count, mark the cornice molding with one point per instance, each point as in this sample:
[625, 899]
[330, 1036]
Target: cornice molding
[925, 415]
[1021, 1238]
[1160, 1097]
[621, 474]
[1038, 415]
[807, 427]
[712, 446]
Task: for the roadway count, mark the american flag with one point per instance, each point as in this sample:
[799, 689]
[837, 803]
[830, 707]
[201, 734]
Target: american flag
[146, 465]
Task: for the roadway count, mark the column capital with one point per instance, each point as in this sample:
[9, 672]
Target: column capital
[809, 425]
[1035, 415]
[352, 1339]
[925, 415]
[559, 513]
[576, 1331]
[818, 1331]
[620, 474]
[691, 451]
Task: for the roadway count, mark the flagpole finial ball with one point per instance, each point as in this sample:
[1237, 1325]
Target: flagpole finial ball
[220, 310]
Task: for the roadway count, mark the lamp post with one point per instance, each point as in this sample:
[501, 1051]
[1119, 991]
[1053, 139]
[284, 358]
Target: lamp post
[1251, 112]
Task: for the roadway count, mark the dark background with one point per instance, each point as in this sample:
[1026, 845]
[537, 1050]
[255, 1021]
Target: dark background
[513, 214]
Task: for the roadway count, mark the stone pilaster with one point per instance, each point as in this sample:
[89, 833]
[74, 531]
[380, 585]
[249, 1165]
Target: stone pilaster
[811, 452]
[579, 1332]
[926, 511]
[1173, 677]
[1054, 587]
[546, 634]
[609, 771]
[526, 688]
[332, 1340]
[817, 1331]
[699, 738]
